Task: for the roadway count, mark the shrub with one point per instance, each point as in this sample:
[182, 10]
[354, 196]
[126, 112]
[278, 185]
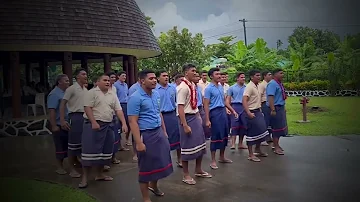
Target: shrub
[307, 85]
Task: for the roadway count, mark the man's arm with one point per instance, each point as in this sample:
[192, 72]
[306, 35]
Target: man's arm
[163, 124]
[270, 93]
[67, 96]
[206, 109]
[181, 94]
[52, 103]
[133, 109]
[135, 130]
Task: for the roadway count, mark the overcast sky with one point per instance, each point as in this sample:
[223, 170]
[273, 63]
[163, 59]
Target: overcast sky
[269, 19]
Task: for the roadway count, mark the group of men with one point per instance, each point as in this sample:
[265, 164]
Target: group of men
[163, 117]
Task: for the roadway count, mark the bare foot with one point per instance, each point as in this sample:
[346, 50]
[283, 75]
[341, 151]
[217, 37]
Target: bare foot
[225, 160]
[135, 159]
[213, 165]
[74, 174]
[61, 171]
[103, 178]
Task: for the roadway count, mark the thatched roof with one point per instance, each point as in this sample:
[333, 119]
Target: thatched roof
[97, 26]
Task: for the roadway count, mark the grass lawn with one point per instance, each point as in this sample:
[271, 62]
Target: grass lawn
[337, 116]
[23, 190]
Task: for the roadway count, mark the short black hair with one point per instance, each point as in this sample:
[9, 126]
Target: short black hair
[77, 71]
[101, 75]
[176, 77]
[264, 73]
[239, 74]
[158, 73]
[223, 73]
[121, 72]
[186, 67]
[212, 70]
[204, 72]
[110, 74]
[253, 72]
[143, 74]
[277, 70]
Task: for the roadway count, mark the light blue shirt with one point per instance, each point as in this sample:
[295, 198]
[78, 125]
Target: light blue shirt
[53, 102]
[134, 88]
[167, 97]
[122, 91]
[146, 107]
[173, 84]
[199, 96]
[215, 94]
[274, 89]
[236, 92]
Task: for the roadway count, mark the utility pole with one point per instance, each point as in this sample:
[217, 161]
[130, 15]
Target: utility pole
[244, 21]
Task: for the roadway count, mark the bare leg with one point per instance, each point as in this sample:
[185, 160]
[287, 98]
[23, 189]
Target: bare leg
[252, 156]
[59, 167]
[259, 152]
[233, 140]
[178, 154]
[223, 159]
[241, 140]
[100, 174]
[144, 188]
[84, 179]
[213, 160]
[278, 149]
[73, 172]
[186, 173]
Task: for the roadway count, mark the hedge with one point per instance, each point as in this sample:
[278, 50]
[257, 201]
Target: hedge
[308, 85]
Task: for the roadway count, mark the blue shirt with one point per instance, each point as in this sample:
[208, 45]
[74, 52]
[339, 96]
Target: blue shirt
[122, 91]
[274, 89]
[167, 97]
[134, 88]
[236, 92]
[146, 107]
[216, 95]
[199, 96]
[53, 102]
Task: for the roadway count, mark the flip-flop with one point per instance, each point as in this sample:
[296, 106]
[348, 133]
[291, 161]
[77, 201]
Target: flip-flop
[242, 148]
[280, 148]
[123, 149]
[279, 153]
[264, 144]
[189, 181]
[179, 164]
[225, 161]
[203, 175]
[106, 168]
[232, 148]
[128, 144]
[116, 161]
[106, 178]
[82, 186]
[156, 192]
[261, 154]
[213, 167]
[61, 171]
[254, 159]
[74, 175]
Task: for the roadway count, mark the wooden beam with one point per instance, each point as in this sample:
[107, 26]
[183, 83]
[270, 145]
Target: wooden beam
[136, 69]
[107, 63]
[84, 63]
[67, 65]
[16, 88]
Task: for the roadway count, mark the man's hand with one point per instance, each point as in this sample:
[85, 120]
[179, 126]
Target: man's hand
[228, 111]
[251, 115]
[273, 113]
[187, 129]
[140, 147]
[55, 129]
[208, 124]
[124, 128]
[95, 126]
[65, 125]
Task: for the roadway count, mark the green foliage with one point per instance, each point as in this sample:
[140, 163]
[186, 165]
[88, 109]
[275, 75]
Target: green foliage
[307, 85]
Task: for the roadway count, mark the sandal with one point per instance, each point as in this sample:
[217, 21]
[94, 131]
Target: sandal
[254, 159]
[82, 185]
[156, 192]
[225, 161]
[214, 167]
[115, 161]
[189, 181]
[61, 171]
[279, 153]
[179, 164]
[123, 149]
[261, 154]
[106, 178]
[203, 175]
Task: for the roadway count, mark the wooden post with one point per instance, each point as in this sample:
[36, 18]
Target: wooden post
[303, 101]
[67, 65]
[28, 72]
[84, 63]
[136, 69]
[131, 73]
[126, 68]
[16, 88]
[107, 63]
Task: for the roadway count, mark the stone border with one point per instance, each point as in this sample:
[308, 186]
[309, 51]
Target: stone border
[322, 93]
[15, 128]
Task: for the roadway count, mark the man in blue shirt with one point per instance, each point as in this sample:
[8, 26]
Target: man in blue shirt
[168, 110]
[122, 92]
[60, 135]
[149, 132]
[234, 96]
[200, 101]
[276, 97]
[216, 117]
[133, 88]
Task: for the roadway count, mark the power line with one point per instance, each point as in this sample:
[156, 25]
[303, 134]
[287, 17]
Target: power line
[215, 28]
[217, 35]
[310, 21]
